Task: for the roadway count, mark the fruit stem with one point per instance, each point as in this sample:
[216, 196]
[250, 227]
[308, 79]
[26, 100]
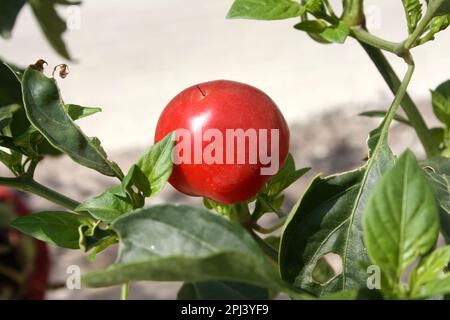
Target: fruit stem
[124, 291]
[268, 250]
[408, 105]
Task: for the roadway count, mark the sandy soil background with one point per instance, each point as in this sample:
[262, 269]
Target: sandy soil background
[132, 59]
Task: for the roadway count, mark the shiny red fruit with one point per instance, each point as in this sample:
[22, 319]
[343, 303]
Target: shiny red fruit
[224, 105]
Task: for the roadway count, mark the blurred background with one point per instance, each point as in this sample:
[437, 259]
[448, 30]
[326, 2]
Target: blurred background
[131, 59]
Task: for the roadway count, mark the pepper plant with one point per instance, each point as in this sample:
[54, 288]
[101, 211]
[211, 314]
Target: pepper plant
[381, 220]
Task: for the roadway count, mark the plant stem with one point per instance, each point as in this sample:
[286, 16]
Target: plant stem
[268, 250]
[400, 94]
[330, 9]
[353, 14]
[29, 185]
[124, 291]
[362, 35]
[411, 111]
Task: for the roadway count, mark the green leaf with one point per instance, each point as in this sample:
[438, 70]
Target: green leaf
[156, 163]
[45, 110]
[328, 219]
[91, 237]
[109, 205]
[135, 177]
[265, 9]
[222, 209]
[437, 287]
[77, 112]
[438, 135]
[443, 9]
[440, 99]
[55, 227]
[9, 10]
[13, 161]
[437, 172]
[382, 114]
[429, 269]
[336, 34]
[285, 177]
[221, 290]
[413, 11]
[25, 136]
[315, 7]
[6, 115]
[437, 25]
[322, 273]
[401, 219]
[273, 241]
[314, 29]
[265, 204]
[11, 94]
[173, 243]
[52, 25]
[328, 34]
[270, 199]
[311, 26]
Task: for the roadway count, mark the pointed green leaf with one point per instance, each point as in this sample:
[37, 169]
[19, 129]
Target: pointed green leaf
[437, 287]
[58, 228]
[286, 176]
[382, 114]
[311, 26]
[9, 10]
[52, 25]
[328, 219]
[135, 177]
[440, 99]
[429, 269]
[156, 164]
[168, 242]
[336, 34]
[401, 218]
[413, 11]
[437, 172]
[77, 112]
[45, 110]
[109, 205]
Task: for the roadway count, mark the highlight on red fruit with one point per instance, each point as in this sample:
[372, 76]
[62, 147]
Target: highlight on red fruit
[230, 139]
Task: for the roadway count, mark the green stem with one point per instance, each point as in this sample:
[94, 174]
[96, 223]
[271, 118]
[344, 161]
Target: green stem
[124, 291]
[362, 35]
[353, 14]
[29, 185]
[240, 214]
[268, 250]
[330, 9]
[400, 94]
[411, 111]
